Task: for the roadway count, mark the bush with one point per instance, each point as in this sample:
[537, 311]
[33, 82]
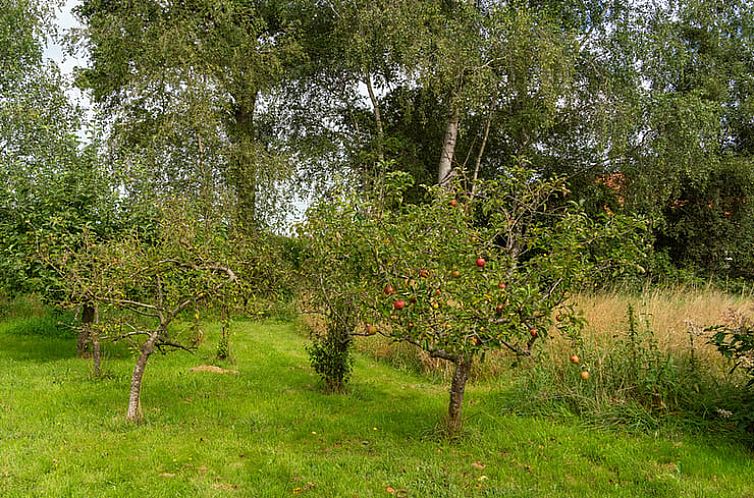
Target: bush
[330, 357]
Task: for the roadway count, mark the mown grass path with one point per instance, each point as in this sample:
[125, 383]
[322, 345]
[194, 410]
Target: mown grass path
[268, 431]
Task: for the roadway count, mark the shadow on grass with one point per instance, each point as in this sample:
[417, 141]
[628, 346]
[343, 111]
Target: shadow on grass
[37, 349]
[48, 348]
[53, 326]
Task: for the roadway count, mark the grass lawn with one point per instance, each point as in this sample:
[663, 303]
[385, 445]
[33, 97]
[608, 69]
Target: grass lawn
[268, 431]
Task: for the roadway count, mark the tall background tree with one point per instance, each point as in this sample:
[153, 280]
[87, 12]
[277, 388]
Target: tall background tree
[183, 84]
[51, 182]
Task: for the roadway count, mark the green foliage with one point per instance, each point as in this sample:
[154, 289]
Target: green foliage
[52, 326]
[535, 248]
[330, 356]
[52, 184]
[222, 99]
[735, 341]
[182, 85]
[711, 225]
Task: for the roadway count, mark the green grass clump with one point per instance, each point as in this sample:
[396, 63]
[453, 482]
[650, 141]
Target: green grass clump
[269, 431]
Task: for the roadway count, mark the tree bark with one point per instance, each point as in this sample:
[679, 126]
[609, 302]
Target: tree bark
[478, 162]
[457, 388]
[88, 315]
[223, 347]
[445, 168]
[134, 401]
[244, 173]
[96, 350]
[377, 118]
[96, 356]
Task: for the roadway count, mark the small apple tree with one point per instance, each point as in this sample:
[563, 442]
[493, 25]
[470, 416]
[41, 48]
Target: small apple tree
[333, 264]
[459, 275]
[145, 280]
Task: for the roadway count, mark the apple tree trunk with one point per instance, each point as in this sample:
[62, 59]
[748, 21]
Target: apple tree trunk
[457, 388]
[88, 316]
[223, 347]
[96, 356]
[134, 401]
[94, 339]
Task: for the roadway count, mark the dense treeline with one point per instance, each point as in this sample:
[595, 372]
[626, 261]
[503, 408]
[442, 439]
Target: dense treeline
[645, 107]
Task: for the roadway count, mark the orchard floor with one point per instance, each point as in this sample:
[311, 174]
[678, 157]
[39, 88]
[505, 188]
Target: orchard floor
[268, 431]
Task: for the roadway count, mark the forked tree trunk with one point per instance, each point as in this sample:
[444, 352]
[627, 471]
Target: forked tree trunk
[134, 401]
[445, 168]
[457, 388]
[88, 316]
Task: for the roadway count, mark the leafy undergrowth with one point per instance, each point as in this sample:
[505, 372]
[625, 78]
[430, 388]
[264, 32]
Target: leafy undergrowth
[269, 431]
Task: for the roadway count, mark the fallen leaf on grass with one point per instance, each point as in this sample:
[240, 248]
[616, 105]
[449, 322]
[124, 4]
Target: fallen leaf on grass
[306, 487]
[167, 475]
[399, 493]
[478, 465]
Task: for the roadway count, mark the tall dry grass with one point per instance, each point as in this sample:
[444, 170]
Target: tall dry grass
[670, 312]
[677, 316]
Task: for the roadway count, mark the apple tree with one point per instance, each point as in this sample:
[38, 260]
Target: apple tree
[146, 280]
[462, 275]
[337, 252]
